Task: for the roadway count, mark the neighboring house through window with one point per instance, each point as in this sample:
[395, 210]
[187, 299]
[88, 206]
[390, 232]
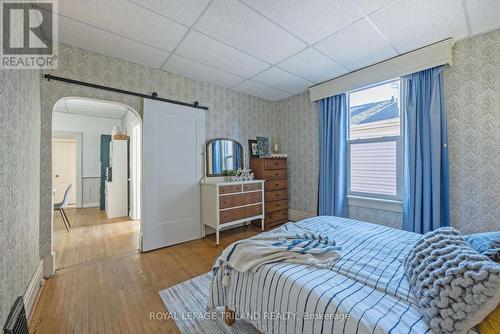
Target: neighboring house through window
[374, 141]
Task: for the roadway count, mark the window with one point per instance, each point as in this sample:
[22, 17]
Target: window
[374, 141]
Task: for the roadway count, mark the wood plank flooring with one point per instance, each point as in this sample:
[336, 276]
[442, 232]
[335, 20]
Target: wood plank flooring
[109, 289]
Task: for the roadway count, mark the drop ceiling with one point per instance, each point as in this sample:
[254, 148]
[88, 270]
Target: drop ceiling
[267, 48]
[90, 108]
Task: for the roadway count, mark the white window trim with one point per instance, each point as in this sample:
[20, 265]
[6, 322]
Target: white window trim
[380, 201]
[375, 203]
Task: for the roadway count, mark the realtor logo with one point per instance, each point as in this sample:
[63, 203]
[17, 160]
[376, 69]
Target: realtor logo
[29, 34]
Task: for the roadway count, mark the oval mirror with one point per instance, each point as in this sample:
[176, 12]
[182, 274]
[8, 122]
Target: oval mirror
[223, 154]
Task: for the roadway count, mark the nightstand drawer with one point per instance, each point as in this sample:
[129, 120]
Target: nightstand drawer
[276, 195]
[277, 174]
[275, 164]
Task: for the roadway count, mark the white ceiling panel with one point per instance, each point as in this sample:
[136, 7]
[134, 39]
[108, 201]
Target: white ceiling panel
[253, 88]
[183, 11]
[370, 6]
[188, 68]
[235, 24]
[89, 38]
[484, 15]
[313, 66]
[126, 19]
[282, 80]
[357, 46]
[410, 24]
[208, 51]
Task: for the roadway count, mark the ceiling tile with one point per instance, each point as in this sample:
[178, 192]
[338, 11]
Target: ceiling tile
[89, 38]
[253, 88]
[235, 24]
[125, 19]
[309, 20]
[208, 51]
[185, 11]
[370, 6]
[484, 15]
[357, 46]
[282, 80]
[313, 66]
[410, 24]
[188, 68]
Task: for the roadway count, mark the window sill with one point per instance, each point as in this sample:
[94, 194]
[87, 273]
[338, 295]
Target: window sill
[375, 203]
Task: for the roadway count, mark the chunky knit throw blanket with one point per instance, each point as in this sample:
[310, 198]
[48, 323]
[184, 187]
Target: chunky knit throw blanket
[456, 287]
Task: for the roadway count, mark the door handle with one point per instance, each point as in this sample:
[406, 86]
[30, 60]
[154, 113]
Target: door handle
[57, 175]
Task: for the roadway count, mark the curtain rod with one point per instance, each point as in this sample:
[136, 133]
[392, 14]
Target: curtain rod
[153, 96]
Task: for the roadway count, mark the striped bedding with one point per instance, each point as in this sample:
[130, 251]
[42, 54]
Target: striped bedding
[364, 292]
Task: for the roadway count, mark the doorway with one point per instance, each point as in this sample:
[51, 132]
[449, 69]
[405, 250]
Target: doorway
[79, 124]
[64, 169]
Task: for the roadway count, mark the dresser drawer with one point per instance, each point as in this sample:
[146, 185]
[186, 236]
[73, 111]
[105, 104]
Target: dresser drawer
[276, 216]
[276, 206]
[275, 164]
[230, 189]
[276, 195]
[276, 184]
[231, 215]
[252, 186]
[230, 201]
[277, 174]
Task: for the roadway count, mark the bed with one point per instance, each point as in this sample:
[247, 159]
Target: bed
[366, 290]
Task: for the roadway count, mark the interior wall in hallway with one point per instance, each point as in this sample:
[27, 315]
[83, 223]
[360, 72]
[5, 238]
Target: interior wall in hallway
[19, 183]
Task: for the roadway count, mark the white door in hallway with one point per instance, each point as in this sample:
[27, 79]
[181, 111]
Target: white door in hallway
[173, 146]
[64, 168]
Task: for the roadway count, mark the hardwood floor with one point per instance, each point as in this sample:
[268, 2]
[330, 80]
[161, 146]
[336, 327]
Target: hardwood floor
[109, 289]
[92, 237]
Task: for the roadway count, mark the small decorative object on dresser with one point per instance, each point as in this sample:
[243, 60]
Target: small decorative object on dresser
[228, 204]
[264, 147]
[253, 148]
[274, 171]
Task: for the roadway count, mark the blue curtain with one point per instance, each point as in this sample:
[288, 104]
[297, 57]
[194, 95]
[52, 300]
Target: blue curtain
[216, 158]
[426, 192]
[332, 197]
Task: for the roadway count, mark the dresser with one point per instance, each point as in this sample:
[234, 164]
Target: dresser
[274, 172]
[227, 204]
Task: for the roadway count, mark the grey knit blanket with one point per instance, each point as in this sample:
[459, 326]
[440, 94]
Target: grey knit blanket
[456, 287]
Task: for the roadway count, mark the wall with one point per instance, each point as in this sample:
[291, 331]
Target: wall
[232, 114]
[91, 129]
[19, 183]
[472, 86]
[473, 106]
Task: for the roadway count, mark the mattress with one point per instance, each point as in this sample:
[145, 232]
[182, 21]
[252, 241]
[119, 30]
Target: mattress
[365, 291]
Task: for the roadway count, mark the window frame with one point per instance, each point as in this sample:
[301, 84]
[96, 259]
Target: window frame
[399, 149]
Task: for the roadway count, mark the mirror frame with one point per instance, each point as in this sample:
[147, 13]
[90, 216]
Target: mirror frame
[206, 153]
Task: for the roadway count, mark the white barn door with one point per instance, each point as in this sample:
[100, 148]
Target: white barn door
[173, 144]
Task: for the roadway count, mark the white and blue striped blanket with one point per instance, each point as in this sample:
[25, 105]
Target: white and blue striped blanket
[365, 291]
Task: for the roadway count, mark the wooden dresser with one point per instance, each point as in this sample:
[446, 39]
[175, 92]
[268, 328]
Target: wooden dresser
[274, 172]
[226, 204]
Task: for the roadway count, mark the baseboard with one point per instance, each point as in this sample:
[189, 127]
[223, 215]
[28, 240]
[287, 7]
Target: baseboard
[90, 205]
[295, 216]
[33, 289]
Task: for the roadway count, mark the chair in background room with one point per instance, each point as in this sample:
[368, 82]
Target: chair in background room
[60, 207]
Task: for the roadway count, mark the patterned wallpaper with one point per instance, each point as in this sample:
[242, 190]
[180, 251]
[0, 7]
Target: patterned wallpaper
[473, 106]
[232, 114]
[472, 86]
[19, 182]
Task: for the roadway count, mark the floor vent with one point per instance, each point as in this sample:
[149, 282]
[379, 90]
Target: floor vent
[17, 323]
